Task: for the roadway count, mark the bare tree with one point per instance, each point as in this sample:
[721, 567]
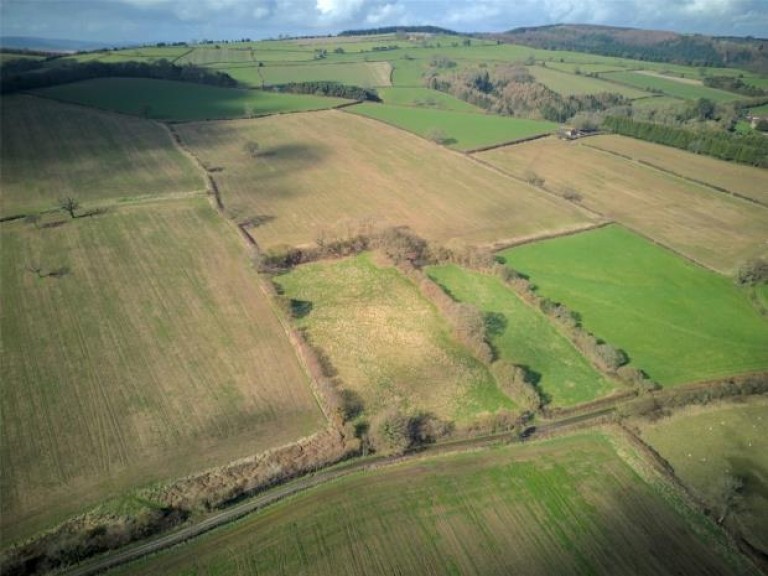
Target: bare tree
[69, 205]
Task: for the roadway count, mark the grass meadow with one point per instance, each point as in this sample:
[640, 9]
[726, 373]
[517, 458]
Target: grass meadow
[180, 101]
[524, 336]
[327, 171]
[149, 355]
[565, 506]
[737, 178]
[461, 130]
[50, 150]
[713, 228]
[365, 74]
[759, 110]
[679, 88]
[704, 445]
[572, 84]
[425, 98]
[677, 321]
[387, 342]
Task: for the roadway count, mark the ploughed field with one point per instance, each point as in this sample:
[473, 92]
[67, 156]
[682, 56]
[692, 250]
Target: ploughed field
[142, 350]
[565, 506]
[708, 226]
[319, 173]
[677, 321]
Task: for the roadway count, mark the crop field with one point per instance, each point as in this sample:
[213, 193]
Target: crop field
[317, 173]
[710, 227]
[462, 131]
[365, 74]
[525, 337]
[705, 445]
[387, 342]
[670, 86]
[566, 506]
[677, 321]
[142, 350]
[571, 84]
[736, 178]
[425, 98]
[166, 100]
[50, 150]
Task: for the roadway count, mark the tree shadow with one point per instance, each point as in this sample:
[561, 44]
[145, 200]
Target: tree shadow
[257, 220]
[93, 212]
[300, 308]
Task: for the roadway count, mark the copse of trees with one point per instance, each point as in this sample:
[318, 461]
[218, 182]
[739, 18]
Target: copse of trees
[399, 30]
[327, 88]
[13, 80]
[732, 84]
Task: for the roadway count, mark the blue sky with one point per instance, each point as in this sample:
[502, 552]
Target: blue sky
[114, 21]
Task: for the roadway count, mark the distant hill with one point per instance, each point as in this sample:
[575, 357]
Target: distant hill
[399, 29]
[654, 45]
[49, 44]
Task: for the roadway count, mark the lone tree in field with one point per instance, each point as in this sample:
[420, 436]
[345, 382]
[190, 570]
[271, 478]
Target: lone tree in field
[252, 148]
[69, 205]
[437, 135]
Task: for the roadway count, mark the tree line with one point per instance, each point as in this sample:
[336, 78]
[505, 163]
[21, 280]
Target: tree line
[328, 88]
[744, 148]
[29, 75]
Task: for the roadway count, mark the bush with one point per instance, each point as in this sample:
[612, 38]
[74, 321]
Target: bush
[752, 272]
[517, 382]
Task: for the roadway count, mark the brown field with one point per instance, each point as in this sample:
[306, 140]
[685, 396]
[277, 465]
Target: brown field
[50, 150]
[156, 355]
[736, 178]
[322, 171]
[715, 229]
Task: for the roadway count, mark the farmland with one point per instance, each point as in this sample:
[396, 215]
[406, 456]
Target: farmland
[52, 150]
[463, 131]
[387, 343]
[166, 100]
[569, 84]
[366, 74]
[525, 337]
[734, 178]
[321, 172]
[678, 322]
[567, 506]
[707, 226]
[676, 87]
[424, 98]
[706, 445]
[141, 350]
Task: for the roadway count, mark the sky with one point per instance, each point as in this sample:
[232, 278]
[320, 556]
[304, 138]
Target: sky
[121, 21]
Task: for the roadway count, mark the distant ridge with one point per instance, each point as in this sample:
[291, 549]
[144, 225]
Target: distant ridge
[398, 29]
[51, 44]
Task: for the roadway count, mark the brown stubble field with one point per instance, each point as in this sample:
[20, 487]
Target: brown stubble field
[154, 356]
[50, 150]
[326, 171]
[738, 179]
[712, 228]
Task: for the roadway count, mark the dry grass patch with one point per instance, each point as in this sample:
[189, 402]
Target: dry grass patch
[315, 172]
[51, 150]
[717, 230]
[154, 354]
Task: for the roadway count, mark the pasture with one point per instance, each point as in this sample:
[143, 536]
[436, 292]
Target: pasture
[461, 130]
[425, 98]
[572, 84]
[181, 101]
[565, 506]
[50, 150]
[524, 336]
[326, 171]
[365, 74]
[713, 228]
[669, 86]
[729, 176]
[388, 343]
[706, 445]
[141, 350]
[677, 321]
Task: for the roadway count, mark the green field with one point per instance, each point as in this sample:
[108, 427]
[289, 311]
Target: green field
[50, 150]
[424, 98]
[670, 87]
[572, 84]
[387, 342]
[677, 321]
[463, 131]
[166, 100]
[567, 506]
[525, 337]
[759, 110]
[704, 445]
[152, 355]
[365, 74]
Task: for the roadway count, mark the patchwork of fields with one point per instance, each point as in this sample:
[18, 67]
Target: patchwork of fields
[710, 227]
[567, 506]
[328, 171]
[151, 355]
[52, 150]
[677, 321]
[389, 344]
[669, 86]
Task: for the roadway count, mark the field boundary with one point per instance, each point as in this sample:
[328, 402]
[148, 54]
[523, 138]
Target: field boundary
[510, 143]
